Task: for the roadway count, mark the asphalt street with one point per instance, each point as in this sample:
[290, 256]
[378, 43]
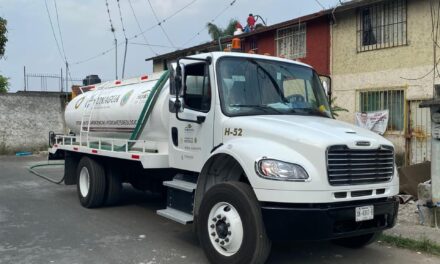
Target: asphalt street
[41, 222]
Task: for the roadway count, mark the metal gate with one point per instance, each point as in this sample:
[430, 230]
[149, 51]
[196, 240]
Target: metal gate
[418, 146]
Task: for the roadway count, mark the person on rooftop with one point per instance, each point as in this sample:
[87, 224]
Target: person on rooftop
[251, 22]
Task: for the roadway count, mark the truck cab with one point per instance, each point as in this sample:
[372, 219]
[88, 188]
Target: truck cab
[256, 156]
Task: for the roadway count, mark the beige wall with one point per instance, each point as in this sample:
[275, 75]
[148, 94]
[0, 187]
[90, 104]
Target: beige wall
[353, 71]
[383, 68]
[158, 66]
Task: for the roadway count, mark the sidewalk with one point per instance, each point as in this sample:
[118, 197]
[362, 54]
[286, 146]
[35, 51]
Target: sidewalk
[408, 226]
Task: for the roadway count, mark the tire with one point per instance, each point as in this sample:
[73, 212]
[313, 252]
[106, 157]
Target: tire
[114, 186]
[245, 239]
[91, 183]
[70, 167]
[357, 241]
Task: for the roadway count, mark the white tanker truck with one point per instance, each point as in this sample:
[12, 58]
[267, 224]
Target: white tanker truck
[245, 147]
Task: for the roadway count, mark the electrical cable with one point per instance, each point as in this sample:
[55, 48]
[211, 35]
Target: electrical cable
[31, 170]
[140, 28]
[142, 32]
[59, 30]
[53, 30]
[112, 28]
[211, 21]
[319, 3]
[152, 45]
[122, 21]
[159, 22]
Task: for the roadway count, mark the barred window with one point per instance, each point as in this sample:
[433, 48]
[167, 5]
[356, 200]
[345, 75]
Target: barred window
[291, 42]
[382, 25]
[391, 100]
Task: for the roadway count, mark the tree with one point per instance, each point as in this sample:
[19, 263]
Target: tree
[335, 108]
[4, 84]
[4, 81]
[216, 32]
[3, 38]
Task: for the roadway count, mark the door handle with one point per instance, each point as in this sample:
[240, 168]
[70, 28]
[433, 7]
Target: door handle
[175, 136]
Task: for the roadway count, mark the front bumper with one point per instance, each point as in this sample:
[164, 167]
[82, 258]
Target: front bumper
[326, 221]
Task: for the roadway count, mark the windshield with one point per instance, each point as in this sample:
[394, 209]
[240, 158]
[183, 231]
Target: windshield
[261, 87]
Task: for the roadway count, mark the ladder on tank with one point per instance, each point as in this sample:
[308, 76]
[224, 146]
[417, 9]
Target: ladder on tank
[87, 115]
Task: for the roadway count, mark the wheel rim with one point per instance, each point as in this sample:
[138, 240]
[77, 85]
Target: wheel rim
[225, 229]
[84, 181]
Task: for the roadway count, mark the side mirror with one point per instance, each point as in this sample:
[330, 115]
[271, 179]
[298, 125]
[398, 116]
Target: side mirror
[327, 85]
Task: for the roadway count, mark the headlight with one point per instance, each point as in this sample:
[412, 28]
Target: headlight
[279, 170]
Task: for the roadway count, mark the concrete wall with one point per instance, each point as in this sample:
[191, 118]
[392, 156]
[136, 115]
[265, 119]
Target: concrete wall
[382, 69]
[27, 118]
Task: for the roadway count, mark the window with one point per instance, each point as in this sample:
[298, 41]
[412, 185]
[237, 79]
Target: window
[291, 42]
[250, 86]
[393, 100]
[382, 25]
[197, 91]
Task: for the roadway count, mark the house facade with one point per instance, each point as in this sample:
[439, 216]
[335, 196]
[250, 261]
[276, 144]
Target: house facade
[382, 58]
[379, 54]
[306, 39]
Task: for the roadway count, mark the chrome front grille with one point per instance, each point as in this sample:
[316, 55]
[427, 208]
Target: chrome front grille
[347, 166]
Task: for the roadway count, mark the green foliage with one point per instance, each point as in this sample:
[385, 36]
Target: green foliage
[335, 108]
[3, 38]
[423, 245]
[216, 32]
[4, 84]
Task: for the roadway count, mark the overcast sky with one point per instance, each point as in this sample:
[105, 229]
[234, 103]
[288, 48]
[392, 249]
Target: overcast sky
[85, 30]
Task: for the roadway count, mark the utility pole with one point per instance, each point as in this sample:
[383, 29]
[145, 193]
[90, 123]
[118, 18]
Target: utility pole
[61, 79]
[67, 80]
[125, 57]
[24, 75]
[116, 57]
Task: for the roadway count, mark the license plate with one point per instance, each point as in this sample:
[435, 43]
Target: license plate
[364, 213]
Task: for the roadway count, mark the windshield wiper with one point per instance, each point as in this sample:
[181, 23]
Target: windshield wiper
[272, 80]
[265, 108]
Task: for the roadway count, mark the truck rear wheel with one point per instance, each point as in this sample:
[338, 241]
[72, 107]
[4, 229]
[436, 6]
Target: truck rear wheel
[230, 225]
[91, 183]
[357, 241]
[114, 186]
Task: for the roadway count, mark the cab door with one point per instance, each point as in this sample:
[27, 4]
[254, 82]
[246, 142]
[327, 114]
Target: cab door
[191, 131]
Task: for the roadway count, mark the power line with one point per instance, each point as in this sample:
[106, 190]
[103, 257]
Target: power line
[152, 45]
[112, 28]
[142, 32]
[319, 3]
[122, 21]
[96, 56]
[59, 30]
[53, 30]
[159, 22]
[140, 28]
[211, 21]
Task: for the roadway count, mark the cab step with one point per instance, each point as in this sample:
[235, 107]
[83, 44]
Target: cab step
[176, 215]
[180, 199]
[181, 185]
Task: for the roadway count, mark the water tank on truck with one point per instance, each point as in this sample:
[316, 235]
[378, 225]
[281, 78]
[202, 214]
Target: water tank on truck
[135, 109]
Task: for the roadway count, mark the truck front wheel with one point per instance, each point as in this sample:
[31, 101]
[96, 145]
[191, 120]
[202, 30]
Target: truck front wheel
[230, 225]
[91, 183]
[357, 241]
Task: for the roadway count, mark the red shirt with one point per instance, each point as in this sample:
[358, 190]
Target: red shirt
[251, 21]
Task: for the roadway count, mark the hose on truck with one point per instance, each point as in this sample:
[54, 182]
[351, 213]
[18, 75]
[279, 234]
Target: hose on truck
[31, 170]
